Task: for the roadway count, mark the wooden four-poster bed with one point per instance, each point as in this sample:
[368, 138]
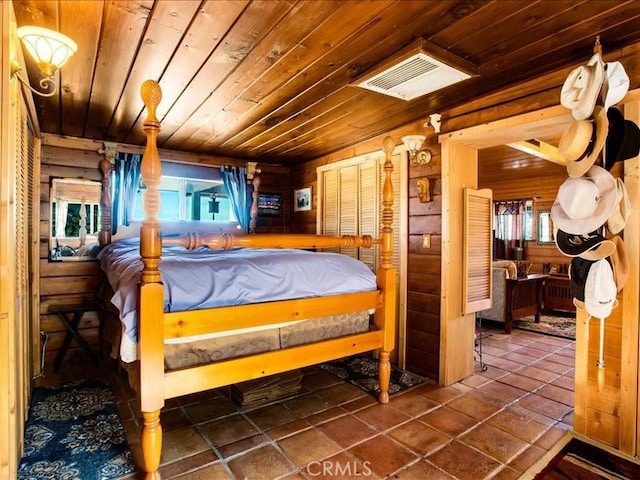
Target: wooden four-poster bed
[157, 327]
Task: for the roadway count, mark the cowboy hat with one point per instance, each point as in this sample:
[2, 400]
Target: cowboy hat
[585, 203]
[578, 271]
[623, 139]
[582, 142]
[600, 290]
[581, 88]
[615, 85]
[592, 246]
[620, 263]
[621, 209]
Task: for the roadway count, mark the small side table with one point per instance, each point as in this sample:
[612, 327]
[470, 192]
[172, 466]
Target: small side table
[71, 315]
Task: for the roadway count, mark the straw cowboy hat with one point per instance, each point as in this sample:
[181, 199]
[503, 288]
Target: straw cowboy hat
[585, 203]
[623, 139]
[620, 263]
[592, 246]
[582, 87]
[621, 209]
[615, 85]
[582, 142]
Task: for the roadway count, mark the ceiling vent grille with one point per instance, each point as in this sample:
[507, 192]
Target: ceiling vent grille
[416, 74]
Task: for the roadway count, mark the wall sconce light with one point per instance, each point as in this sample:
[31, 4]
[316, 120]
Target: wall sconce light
[50, 50]
[417, 157]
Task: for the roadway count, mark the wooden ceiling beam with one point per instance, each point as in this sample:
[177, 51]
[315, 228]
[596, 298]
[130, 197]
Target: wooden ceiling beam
[540, 149]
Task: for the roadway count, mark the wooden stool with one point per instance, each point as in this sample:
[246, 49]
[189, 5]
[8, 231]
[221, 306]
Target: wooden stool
[71, 315]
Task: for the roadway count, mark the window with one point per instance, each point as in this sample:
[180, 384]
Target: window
[189, 199]
[514, 219]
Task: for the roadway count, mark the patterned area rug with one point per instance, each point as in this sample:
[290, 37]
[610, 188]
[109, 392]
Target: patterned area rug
[362, 371]
[74, 432]
[564, 327]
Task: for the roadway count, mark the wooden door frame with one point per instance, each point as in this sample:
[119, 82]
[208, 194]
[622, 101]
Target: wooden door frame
[459, 169]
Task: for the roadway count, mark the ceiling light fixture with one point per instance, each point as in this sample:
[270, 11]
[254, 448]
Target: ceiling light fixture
[50, 50]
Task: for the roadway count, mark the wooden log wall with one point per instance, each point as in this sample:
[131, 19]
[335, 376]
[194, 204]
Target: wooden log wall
[423, 305]
[63, 283]
[543, 191]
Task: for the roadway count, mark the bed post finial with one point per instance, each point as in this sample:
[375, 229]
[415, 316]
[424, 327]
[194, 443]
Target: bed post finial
[106, 165]
[386, 254]
[253, 175]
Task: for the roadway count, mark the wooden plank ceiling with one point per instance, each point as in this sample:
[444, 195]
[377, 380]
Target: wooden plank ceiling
[269, 79]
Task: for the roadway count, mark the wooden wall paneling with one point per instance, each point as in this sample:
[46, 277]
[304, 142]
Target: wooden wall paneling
[630, 298]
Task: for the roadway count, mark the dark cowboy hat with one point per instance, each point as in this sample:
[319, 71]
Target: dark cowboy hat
[623, 139]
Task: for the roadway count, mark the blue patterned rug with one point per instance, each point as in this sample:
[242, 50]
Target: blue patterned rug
[74, 432]
[362, 371]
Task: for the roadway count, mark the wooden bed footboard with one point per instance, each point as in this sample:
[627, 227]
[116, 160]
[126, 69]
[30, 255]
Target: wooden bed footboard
[154, 325]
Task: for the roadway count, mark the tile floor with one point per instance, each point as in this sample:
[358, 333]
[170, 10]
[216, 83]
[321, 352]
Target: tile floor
[494, 424]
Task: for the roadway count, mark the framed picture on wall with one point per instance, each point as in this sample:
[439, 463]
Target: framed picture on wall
[269, 204]
[302, 199]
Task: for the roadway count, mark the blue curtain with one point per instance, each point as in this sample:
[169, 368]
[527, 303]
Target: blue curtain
[125, 184]
[235, 183]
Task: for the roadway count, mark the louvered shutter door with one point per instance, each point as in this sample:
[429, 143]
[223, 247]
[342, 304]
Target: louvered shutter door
[477, 243]
[348, 207]
[369, 195]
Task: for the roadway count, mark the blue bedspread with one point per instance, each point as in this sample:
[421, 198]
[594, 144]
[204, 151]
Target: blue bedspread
[205, 278]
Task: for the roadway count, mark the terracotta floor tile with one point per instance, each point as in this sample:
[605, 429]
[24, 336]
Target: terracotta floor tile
[210, 409]
[319, 379]
[308, 446]
[234, 448]
[422, 470]
[475, 381]
[558, 394]
[551, 366]
[264, 463]
[359, 404]
[463, 462]
[271, 416]
[325, 416]
[545, 347]
[443, 395]
[382, 417]
[520, 358]
[507, 473]
[419, 437]
[527, 458]
[496, 351]
[449, 421]
[494, 373]
[216, 471]
[518, 424]
[520, 410]
[532, 352]
[384, 455]
[182, 443]
[521, 382]
[200, 397]
[173, 419]
[341, 393]
[342, 466]
[503, 364]
[187, 464]
[501, 393]
[474, 406]
[544, 406]
[288, 429]
[537, 374]
[494, 442]
[564, 360]
[308, 404]
[347, 431]
[412, 403]
[228, 430]
[550, 438]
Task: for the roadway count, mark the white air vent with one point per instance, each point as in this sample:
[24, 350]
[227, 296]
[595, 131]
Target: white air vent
[420, 68]
[416, 76]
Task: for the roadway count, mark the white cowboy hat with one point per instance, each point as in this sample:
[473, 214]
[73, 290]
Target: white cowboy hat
[615, 85]
[582, 142]
[621, 209]
[581, 88]
[585, 203]
[600, 290]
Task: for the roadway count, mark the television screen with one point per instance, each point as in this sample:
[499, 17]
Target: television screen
[269, 204]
